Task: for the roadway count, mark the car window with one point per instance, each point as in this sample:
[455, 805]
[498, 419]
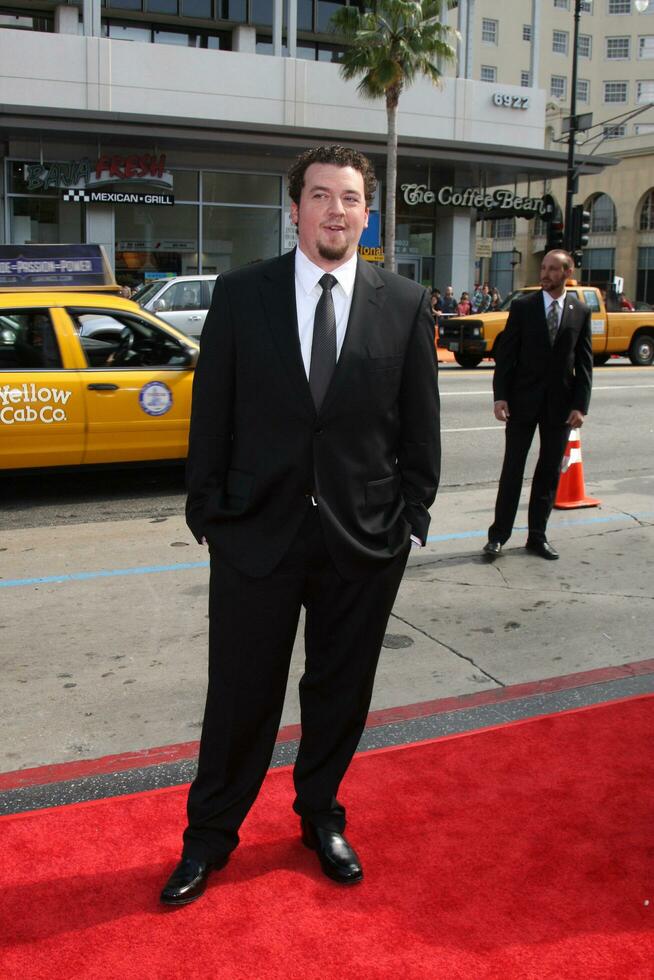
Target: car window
[183, 296]
[592, 299]
[146, 291]
[208, 287]
[113, 339]
[28, 340]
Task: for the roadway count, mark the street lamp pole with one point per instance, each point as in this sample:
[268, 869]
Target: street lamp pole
[571, 183]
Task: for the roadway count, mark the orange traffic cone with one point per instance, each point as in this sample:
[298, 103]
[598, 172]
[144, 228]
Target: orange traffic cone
[571, 491]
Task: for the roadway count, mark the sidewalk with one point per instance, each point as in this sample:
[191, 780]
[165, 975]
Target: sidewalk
[112, 659]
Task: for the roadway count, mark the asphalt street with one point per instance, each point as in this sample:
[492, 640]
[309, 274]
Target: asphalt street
[103, 591]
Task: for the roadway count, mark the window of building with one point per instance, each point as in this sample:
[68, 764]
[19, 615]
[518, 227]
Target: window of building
[619, 6]
[645, 91]
[584, 45]
[539, 227]
[125, 4]
[197, 8]
[583, 90]
[597, 265]
[602, 214]
[558, 86]
[646, 222]
[586, 6]
[163, 7]
[560, 42]
[234, 188]
[525, 79]
[614, 132]
[489, 30]
[325, 10]
[503, 228]
[21, 23]
[646, 46]
[615, 91]
[488, 73]
[618, 48]
[644, 129]
[562, 4]
[526, 32]
[645, 276]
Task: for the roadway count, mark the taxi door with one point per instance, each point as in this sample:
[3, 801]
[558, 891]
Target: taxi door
[42, 404]
[137, 383]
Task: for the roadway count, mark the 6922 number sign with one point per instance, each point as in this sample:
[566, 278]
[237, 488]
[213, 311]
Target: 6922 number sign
[511, 101]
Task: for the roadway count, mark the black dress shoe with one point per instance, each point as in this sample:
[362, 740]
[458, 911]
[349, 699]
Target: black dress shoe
[492, 548]
[188, 881]
[542, 548]
[337, 859]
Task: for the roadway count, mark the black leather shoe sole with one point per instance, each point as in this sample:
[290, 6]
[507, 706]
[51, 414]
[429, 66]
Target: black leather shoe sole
[338, 859]
[492, 549]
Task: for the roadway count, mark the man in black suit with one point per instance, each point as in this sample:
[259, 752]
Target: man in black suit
[543, 378]
[314, 456]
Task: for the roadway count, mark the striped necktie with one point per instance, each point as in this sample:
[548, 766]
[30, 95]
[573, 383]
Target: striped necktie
[553, 321]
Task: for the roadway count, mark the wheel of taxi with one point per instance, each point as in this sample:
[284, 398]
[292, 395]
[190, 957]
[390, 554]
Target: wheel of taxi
[641, 352]
[599, 360]
[468, 360]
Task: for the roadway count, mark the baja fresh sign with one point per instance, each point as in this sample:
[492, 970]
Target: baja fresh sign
[500, 199]
[30, 402]
[145, 168]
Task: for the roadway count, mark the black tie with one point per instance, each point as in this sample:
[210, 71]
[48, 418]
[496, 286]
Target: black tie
[553, 321]
[323, 346]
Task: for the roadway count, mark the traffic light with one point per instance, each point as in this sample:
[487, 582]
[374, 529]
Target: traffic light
[580, 226]
[554, 235]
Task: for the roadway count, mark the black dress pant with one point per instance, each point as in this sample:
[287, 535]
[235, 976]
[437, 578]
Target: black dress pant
[252, 627]
[519, 437]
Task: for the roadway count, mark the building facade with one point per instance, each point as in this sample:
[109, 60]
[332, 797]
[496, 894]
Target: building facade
[162, 129]
[615, 83]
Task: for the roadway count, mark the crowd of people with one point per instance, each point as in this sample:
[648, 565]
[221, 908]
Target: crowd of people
[484, 299]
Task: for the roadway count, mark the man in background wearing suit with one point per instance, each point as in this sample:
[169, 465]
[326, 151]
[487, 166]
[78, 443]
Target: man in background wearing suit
[543, 378]
[314, 456]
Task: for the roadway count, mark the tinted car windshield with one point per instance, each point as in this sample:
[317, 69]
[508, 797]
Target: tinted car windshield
[516, 294]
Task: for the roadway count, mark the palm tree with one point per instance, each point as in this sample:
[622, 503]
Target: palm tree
[389, 44]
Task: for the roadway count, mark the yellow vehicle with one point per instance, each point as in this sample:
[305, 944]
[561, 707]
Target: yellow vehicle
[474, 337]
[87, 377]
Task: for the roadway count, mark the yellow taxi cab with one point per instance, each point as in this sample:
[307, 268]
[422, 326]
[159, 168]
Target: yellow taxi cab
[87, 377]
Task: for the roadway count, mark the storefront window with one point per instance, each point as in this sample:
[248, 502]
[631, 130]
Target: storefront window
[240, 188]
[237, 236]
[158, 240]
[414, 237]
[162, 6]
[261, 12]
[185, 185]
[43, 220]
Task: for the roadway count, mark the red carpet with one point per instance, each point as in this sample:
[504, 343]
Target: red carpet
[525, 851]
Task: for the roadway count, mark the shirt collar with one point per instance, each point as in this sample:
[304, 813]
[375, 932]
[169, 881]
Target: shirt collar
[309, 275]
[550, 299]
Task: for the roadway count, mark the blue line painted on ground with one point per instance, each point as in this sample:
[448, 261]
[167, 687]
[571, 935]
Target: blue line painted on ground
[108, 573]
[606, 519]
[192, 565]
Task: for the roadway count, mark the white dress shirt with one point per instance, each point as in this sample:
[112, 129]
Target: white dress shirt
[308, 292]
[560, 302]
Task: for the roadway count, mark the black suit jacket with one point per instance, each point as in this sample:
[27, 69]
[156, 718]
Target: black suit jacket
[536, 378]
[257, 447]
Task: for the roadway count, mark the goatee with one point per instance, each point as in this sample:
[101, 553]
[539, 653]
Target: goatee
[332, 254]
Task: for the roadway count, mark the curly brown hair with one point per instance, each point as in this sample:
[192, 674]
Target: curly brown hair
[340, 156]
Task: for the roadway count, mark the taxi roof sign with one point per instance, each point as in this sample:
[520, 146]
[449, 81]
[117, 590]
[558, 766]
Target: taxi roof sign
[76, 267]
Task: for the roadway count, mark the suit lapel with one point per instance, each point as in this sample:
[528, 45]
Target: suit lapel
[367, 300]
[278, 293]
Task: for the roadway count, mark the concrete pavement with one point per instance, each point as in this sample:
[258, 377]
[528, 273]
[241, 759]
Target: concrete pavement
[109, 655]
